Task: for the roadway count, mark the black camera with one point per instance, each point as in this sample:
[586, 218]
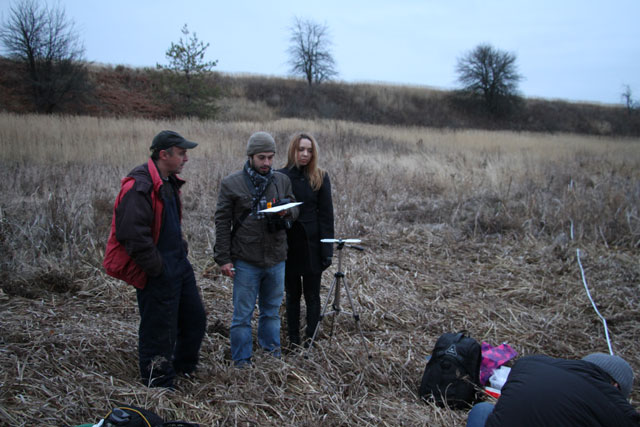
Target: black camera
[276, 222]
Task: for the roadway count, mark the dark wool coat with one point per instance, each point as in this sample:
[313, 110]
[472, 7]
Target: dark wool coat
[306, 254]
[543, 391]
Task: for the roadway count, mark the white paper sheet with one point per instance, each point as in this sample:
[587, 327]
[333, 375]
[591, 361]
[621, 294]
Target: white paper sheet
[281, 207]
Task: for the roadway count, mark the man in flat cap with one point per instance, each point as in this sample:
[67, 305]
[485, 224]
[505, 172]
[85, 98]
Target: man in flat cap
[146, 249]
[251, 246]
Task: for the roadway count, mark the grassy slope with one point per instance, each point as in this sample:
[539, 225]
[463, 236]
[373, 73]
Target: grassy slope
[125, 92]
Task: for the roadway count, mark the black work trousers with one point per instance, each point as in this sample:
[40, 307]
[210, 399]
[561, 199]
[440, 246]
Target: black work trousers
[172, 325]
[295, 286]
[172, 317]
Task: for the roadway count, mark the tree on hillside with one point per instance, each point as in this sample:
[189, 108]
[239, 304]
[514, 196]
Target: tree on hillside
[45, 41]
[309, 52]
[627, 97]
[491, 74]
[187, 81]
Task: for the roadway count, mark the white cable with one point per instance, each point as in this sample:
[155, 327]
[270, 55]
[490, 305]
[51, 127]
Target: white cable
[586, 287]
[571, 229]
[584, 281]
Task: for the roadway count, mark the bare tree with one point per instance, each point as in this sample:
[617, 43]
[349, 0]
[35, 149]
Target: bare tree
[490, 73]
[627, 97]
[46, 42]
[309, 52]
[186, 84]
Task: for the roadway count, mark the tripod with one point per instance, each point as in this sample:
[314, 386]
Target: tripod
[339, 280]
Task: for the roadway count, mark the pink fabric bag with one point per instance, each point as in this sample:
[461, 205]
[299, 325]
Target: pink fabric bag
[493, 358]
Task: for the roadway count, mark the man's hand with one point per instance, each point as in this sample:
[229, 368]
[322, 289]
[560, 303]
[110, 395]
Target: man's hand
[284, 213]
[228, 270]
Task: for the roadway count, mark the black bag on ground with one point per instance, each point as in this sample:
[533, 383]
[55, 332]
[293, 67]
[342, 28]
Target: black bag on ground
[452, 373]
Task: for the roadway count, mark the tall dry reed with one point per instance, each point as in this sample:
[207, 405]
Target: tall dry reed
[463, 230]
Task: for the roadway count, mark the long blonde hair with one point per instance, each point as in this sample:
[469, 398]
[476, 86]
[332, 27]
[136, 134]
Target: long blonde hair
[314, 174]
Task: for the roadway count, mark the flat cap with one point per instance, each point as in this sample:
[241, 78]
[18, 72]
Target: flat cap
[169, 138]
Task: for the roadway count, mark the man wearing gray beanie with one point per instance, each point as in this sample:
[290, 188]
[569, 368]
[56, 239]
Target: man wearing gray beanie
[251, 245]
[544, 391]
[617, 368]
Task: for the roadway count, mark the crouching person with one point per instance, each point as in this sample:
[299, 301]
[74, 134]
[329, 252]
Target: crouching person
[543, 391]
[146, 249]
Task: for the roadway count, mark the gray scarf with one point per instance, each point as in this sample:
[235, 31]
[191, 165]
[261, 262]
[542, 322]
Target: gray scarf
[260, 183]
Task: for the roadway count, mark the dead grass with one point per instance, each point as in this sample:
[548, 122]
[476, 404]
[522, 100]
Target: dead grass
[462, 230]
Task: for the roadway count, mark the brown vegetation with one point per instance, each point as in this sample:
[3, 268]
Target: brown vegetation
[127, 92]
[467, 230]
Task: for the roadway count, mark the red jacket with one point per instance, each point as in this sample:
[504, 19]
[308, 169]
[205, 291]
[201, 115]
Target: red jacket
[122, 259]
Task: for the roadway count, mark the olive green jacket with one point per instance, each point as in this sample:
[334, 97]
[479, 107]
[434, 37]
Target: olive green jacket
[252, 241]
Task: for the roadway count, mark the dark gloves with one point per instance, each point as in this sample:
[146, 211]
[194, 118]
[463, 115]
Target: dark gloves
[326, 262]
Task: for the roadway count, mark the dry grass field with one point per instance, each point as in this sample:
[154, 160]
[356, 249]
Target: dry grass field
[467, 230]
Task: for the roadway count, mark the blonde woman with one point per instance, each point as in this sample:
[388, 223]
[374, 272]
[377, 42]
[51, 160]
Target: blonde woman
[307, 257]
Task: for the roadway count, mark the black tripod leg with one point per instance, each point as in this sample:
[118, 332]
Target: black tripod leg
[336, 302]
[356, 317]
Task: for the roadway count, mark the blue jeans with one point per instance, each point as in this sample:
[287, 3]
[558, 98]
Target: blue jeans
[267, 285]
[479, 414]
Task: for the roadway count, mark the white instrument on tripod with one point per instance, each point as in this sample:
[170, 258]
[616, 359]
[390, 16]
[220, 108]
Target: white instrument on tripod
[341, 240]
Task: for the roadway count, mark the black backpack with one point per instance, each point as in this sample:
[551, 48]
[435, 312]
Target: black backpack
[452, 373]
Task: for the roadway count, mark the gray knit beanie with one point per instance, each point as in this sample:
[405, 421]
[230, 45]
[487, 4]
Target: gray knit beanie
[261, 142]
[616, 367]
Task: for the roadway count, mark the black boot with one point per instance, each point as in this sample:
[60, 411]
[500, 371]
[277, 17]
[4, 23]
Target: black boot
[294, 340]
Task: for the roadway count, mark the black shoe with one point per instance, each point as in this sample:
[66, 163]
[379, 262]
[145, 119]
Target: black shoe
[294, 341]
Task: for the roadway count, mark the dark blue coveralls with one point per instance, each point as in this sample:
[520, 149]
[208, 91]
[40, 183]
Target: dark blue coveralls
[172, 316]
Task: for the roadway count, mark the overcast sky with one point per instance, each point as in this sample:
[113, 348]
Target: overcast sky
[577, 50]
